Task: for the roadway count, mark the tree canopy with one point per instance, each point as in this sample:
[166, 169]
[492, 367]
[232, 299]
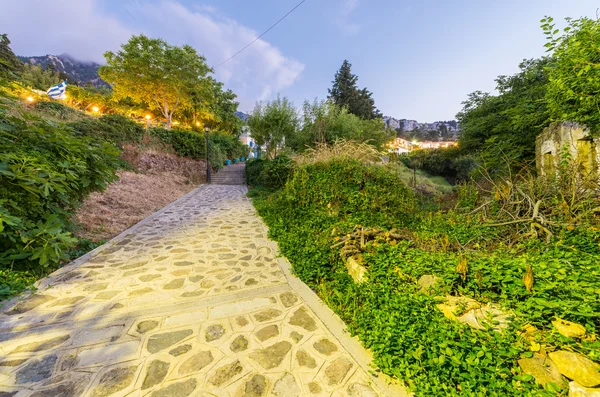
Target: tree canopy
[345, 93]
[155, 73]
[574, 75]
[272, 123]
[9, 62]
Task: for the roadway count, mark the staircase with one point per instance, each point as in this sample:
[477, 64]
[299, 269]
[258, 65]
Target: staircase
[233, 174]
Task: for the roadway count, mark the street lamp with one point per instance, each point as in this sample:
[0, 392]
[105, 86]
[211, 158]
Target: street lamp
[30, 99]
[95, 109]
[147, 121]
[206, 129]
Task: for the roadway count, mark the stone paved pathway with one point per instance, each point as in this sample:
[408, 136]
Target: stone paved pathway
[191, 302]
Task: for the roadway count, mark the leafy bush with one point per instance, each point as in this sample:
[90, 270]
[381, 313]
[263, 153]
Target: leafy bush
[254, 168]
[192, 144]
[185, 143]
[128, 130]
[408, 335]
[45, 171]
[56, 110]
[450, 163]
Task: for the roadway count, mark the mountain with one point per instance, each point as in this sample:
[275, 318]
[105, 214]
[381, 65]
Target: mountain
[242, 116]
[449, 129]
[78, 71]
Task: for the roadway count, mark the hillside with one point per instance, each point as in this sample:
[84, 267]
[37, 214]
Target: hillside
[78, 71]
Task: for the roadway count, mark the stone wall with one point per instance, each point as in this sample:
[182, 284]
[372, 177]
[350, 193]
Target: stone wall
[572, 137]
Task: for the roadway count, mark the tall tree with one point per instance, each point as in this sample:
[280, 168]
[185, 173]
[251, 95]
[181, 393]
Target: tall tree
[345, 93]
[272, 123]
[507, 124]
[9, 63]
[574, 75]
[152, 72]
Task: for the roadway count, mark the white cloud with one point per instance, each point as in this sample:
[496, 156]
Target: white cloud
[38, 27]
[343, 20]
[84, 31]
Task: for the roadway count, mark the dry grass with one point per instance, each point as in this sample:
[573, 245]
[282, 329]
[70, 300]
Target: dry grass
[340, 150]
[163, 178]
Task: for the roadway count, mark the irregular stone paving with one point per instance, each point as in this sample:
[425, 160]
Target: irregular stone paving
[191, 303]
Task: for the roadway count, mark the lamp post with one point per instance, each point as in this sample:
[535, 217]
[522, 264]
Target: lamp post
[206, 129]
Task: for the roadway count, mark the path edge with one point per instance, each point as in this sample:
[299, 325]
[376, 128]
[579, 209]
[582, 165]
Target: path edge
[45, 282]
[335, 325]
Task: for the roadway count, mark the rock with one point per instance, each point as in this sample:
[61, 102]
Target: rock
[305, 359]
[487, 315]
[296, 337]
[455, 306]
[146, 326]
[159, 342]
[179, 350]
[267, 315]
[180, 389]
[301, 318]
[36, 370]
[241, 321]
[175, 284]
[542, 369]
[41, 346]
[267, 332]
[569, 329]
[577, 367]
[576, 390]
[239, 344]
[427, 282]
[226, 373]
[270, 357]
[12, 363]
[114, 380]
[288, 299]
[157, 371]
[30, 303]
[67, 301]
[337, 371]
[286, 386]
[360, 390]
[355, 270]
[255, 387]
[214, 332]
[9, 393]
[314, 388]
[196, 362]
[325, 346]
[69, 361]
[68, 389]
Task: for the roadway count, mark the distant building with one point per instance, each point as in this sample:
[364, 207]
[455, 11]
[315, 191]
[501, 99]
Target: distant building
[400, 145]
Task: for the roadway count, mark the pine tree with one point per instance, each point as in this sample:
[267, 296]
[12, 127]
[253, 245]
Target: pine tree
[9, 63]
[346, 93]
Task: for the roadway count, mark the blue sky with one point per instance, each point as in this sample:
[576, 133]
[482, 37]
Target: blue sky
[420, 58]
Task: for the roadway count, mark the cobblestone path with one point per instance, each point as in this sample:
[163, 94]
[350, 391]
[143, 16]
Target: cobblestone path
[190, 302]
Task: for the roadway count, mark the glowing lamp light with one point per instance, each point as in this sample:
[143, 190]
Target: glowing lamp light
[197, 124]
[29, 99]
[175, 122]
[95, 109]
[147, 117]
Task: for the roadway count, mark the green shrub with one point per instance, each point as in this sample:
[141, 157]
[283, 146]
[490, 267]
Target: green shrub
[409, 336]
[45, 171]
[450, 163]
[128, 130]
[185, 143]
[193, 144]
[254, 167]
[56, 110]
[276, 172]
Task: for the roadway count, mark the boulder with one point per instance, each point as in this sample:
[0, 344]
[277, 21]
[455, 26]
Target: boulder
[356, 270]
[576, 390]
[542, 369]
[455, 306]
[577, 367]
[569, 329]
[427, 282]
